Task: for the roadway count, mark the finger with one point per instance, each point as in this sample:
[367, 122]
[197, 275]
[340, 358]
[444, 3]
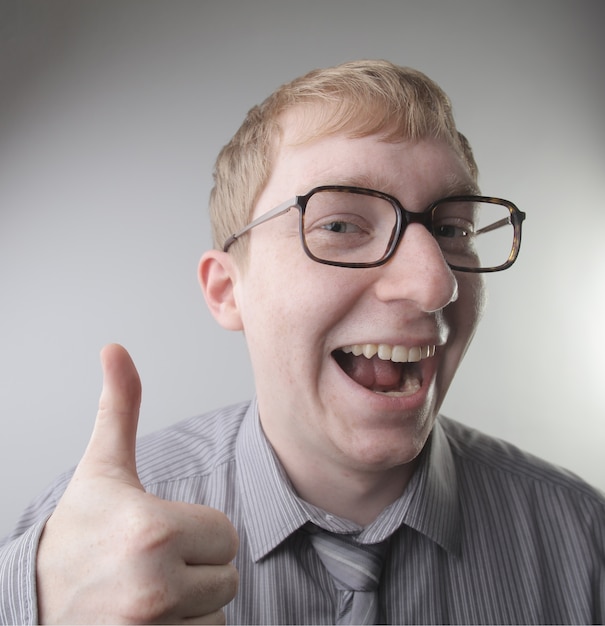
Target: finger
[111, 449]
[206, 535]
[207, 589]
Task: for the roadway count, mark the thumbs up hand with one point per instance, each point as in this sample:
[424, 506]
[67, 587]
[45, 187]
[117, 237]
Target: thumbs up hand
[111, 553]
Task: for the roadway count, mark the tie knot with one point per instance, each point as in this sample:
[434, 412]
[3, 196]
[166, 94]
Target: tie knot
[353, 566]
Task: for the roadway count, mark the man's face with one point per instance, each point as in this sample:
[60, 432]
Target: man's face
[318, 402]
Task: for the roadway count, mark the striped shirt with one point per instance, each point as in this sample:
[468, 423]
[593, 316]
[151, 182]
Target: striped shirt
[484, 533]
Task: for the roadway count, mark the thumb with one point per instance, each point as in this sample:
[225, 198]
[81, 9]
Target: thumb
[111, 450]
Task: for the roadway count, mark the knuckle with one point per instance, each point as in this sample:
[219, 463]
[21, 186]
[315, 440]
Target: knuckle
[146, 531]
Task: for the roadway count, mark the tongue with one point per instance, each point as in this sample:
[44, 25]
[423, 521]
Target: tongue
[374, 373]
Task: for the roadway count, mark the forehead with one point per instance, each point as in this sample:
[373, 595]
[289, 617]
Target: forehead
[406, 169]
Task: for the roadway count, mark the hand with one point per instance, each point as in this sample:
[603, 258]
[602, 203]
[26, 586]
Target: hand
[111, 553]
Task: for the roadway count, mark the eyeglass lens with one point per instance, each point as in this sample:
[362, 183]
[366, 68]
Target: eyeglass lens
[347, 227]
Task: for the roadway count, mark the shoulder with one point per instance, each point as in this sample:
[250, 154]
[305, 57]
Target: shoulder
[486, 463]
[192, 447]
[195, 447]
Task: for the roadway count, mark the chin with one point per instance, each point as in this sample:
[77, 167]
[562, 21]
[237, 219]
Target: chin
[381, 449]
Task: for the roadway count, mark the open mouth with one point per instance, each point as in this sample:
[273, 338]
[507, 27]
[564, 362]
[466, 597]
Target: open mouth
[388, 370]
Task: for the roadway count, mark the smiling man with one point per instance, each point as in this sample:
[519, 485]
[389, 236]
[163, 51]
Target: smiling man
[350, 244]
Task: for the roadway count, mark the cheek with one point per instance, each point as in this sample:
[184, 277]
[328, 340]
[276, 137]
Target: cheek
[463, 316]
[477, 298]
[276, 316]
[288, 316]
[297, 294]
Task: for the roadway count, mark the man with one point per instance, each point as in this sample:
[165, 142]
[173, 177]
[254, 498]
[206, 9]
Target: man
[350, 245]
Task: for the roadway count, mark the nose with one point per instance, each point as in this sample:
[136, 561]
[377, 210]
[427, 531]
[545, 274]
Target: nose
[417, 272]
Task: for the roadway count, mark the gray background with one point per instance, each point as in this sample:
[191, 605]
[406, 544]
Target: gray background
[111, 114]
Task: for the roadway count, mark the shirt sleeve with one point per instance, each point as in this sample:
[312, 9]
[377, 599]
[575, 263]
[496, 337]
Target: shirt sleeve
[18, 602]
[18, 553]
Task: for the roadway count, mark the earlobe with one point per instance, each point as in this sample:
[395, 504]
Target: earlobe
[217, 275]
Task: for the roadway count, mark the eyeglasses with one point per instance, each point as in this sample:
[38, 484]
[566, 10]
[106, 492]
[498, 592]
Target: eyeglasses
[357, 227]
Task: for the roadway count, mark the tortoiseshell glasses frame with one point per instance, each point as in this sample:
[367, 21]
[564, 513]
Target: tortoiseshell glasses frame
[357, 227]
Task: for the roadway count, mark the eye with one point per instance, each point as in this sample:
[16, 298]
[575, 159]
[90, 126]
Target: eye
[341, 226]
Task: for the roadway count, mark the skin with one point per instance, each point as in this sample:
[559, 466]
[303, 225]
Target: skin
[347, 449]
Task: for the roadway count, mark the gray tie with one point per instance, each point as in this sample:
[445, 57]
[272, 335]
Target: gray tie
[355, 569]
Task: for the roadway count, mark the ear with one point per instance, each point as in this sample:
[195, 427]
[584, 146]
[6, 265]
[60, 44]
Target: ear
[217, 274]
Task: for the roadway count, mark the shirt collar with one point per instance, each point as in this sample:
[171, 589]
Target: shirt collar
[432, 506]
[273, 511]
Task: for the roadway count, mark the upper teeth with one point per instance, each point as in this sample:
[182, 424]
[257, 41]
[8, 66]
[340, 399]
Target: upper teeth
[397, 354]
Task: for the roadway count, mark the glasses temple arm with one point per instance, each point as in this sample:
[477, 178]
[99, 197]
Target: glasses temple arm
[503, 222]
[284, 207]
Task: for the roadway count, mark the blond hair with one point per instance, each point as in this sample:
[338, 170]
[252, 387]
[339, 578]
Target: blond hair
[359, 98]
